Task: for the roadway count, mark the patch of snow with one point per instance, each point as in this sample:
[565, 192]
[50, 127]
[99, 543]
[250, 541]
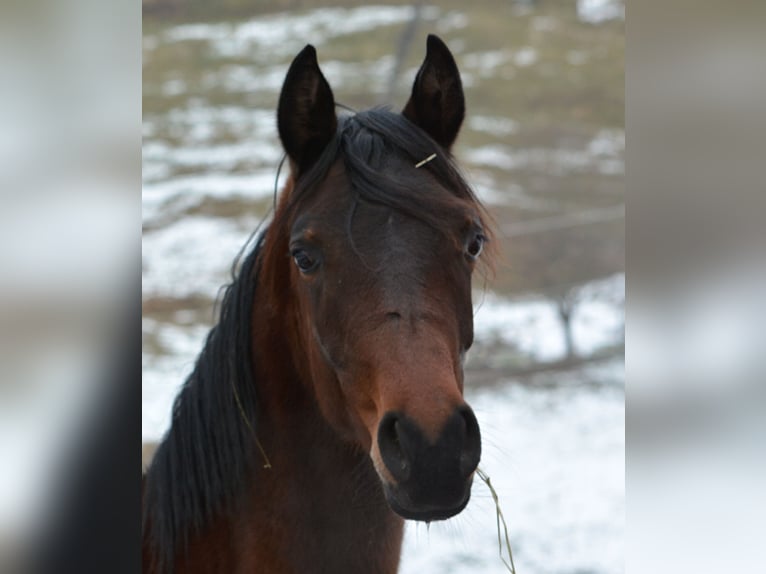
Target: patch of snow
[608, 143]
[153, 170]
[597, 324]
[489, 155]
[525, 57]
[173, 87]
[211, 165]
[496, 126]
[611, 289]
[285, 34]
[192, 256]
[214, 185]
[532, 326]
[559, 161]
[220, 157]
[452, 21]
[200, 123]
[176, 194]
[598, 11]
[484, 61]
[163, 375]
[510, 194]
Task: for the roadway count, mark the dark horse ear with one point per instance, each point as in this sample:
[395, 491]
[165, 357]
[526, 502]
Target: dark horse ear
[437, 104]
[306, 112]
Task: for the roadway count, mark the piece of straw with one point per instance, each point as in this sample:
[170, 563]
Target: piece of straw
[425, 161]
[511, 567]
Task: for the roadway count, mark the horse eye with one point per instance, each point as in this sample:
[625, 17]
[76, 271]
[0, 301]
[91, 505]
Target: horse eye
[304, 261]
[474, 248]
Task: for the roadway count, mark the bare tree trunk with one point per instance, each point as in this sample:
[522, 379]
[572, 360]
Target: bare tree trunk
[565, 307]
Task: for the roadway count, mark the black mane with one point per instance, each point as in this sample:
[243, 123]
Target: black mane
[201, 465]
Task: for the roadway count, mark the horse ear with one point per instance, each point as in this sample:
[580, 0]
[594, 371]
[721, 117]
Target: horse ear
[437, 104]
[306, 113]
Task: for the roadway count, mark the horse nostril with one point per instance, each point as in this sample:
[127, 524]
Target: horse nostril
[392, 451]
[471, 452]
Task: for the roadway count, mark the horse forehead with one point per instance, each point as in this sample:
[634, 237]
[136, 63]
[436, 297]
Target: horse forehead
[344, 218]
[369, 227]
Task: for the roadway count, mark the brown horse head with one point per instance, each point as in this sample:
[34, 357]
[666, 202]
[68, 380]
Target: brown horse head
[377, 248]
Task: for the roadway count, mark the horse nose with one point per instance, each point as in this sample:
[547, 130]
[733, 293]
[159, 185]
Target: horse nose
[411, 458]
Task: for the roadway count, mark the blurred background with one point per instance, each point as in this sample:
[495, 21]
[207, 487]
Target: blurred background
[543, 144]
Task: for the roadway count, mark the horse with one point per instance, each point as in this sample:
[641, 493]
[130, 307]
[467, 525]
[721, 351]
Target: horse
[326, 406]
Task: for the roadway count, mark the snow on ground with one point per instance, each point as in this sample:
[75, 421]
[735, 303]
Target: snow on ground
[172, 195]
[604, 154]
[164, 374]
[597, 11]
[285, 33]
[191, 257]
[531, 325]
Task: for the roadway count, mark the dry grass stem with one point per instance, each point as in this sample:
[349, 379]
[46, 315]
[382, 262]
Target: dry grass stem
[500, 518]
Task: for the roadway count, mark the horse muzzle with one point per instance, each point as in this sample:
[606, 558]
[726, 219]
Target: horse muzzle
[431, 479]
